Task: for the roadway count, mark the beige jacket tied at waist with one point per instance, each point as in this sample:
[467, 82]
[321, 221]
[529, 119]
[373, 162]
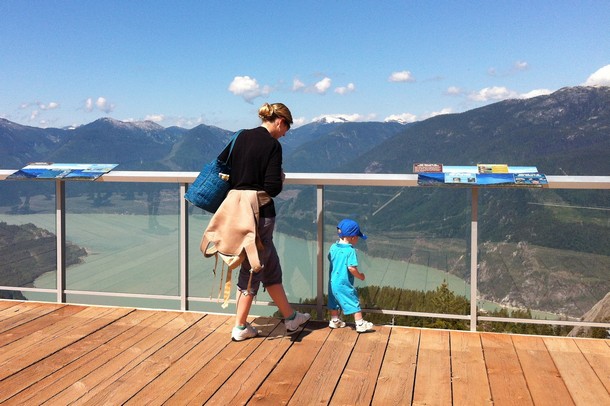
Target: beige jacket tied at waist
[232, 233]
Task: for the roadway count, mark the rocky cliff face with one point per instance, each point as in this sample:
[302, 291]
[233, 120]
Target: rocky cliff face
[599, 313]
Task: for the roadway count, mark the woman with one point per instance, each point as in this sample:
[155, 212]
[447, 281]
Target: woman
[256, 164]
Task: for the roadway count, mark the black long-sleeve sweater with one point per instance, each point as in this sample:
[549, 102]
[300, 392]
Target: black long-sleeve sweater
[256, 164]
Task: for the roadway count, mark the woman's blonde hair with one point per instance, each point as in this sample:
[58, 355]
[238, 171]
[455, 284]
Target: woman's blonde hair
[269, 112]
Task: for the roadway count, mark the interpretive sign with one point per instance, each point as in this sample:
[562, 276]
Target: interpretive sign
[483, 174]
[50, 170]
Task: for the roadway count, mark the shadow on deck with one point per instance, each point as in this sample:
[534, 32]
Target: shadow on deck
[67, 353]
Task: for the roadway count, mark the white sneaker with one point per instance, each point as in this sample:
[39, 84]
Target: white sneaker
[364, 326]
[336, 323]
[294, 324]
[240, 335]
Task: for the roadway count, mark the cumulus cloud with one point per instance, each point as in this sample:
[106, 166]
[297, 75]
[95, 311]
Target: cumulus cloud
[402, 76]
[155, 118]
[535, 93]
[345, 89]
[49, 106]
[323, 85]
[248, 88]
[297, 122]
[520, 66]
[601, 77]
[101, 104]
[342, 118]
[402, 118]
[297, 85]
[492, 93]
[454, 91]
[497, 93]
[446, 110]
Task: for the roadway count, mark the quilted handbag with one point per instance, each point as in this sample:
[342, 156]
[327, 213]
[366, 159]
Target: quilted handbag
[212, 184]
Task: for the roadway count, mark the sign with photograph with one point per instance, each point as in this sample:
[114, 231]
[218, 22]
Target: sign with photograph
[50, 170]
[484, 175]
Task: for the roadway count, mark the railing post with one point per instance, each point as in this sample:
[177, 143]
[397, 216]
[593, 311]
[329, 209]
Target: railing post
[474, 246]
[60, 233]
[320, 251]
[184, 248]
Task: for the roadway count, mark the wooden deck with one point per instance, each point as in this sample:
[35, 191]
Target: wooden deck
[64, 354]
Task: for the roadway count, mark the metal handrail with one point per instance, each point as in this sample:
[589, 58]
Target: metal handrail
[320, 180]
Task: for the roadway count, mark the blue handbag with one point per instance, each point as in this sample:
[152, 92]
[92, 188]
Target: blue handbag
[212, 184]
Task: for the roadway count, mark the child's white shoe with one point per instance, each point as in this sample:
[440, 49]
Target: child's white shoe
[336, 323]
[363, 326]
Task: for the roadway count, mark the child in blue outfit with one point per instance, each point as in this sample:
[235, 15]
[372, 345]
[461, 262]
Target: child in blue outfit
[343, 268]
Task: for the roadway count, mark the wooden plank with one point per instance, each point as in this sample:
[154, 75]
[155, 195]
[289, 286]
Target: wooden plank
[29, 330]
[104, 376]
[24, 313]
[433, 375]
[39, 371]
[7, 304]
[67, 331]
[506, 379]
[597, 353]
[77, 375]
[580, 378]
[242, 385]
[321, 379]
[212, 375]
[468, 370]
[396, 379]
[282, 382]
[148, 370]
[172, 379]
[357, 383]
[545, 385]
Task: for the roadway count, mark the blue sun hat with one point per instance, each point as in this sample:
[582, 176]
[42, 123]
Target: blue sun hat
[349, 228]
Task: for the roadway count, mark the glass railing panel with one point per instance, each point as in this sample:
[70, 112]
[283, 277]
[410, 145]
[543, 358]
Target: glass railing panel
[295, 241]
[416, 257]
[27, 238]
[543, 254]
[130, 236]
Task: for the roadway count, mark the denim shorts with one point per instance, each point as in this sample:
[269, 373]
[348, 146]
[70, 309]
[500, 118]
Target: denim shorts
[271, 274]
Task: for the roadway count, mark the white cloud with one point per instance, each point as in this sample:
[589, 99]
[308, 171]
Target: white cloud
[492, 93]
[346, 89]
[402, 118]
[599, 78]
[521, 65]
[101, 104]
[402, 76]
[497, 93]
[453, 91]
[104, 105]
[342, 118]
[50, 106]
[155, 118]
[297, 85]
[248, 88]
[446, 110]
[323, 85]
[297, 122]
[535, 93]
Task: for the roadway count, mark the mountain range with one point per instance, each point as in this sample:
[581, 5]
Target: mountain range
[564, 133]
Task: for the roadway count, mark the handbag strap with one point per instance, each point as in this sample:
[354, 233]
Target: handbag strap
[232, 142]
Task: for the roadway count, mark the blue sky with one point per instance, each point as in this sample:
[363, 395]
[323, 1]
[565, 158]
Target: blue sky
[210, 62]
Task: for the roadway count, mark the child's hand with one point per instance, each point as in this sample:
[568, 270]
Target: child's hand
[354, 271]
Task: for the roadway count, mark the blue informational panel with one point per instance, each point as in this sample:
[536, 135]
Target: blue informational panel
[49, 170]
[483, 175]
